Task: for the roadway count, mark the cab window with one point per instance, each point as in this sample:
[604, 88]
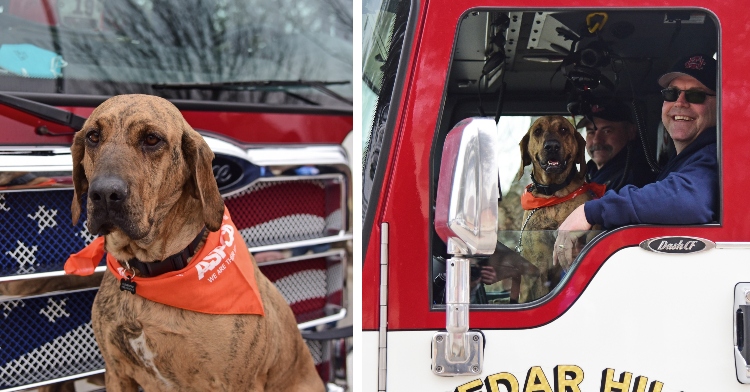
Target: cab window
[547, 77]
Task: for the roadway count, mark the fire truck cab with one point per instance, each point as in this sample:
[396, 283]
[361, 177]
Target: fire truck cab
[450, 88]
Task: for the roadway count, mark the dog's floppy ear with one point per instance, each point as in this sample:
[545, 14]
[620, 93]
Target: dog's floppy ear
[525, 157]
[80, 182]
[199, 158]
[581, 158]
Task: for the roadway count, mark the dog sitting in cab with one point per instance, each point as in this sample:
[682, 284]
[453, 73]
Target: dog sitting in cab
[552, 147]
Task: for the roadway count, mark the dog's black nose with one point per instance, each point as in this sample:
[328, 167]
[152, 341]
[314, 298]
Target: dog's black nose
[108, 191]
[551, 146]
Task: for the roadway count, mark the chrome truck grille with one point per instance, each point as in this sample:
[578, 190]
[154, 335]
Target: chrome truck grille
[45, 322]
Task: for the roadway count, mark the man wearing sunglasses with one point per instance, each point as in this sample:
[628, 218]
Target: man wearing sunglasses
[687, 189]
[612, 143]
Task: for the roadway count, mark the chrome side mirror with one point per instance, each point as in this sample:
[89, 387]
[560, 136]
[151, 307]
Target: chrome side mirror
[466, 219]
[466, 205]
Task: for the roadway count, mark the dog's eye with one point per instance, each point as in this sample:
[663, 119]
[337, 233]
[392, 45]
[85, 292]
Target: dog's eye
[563, 130]
[538, 132]
[151, 140]
[93, 136]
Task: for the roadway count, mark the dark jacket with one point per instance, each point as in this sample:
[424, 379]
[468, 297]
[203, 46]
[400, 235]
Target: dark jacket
[638, 172]
[686, 192]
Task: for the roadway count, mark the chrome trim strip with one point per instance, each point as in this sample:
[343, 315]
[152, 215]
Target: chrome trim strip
[285, 245]
[50, 274]
[341, 253]
[732, 245]
[44, 189]
[20, 158]
[303, 155]
[47, 382]
[333, 252]
[317, 241]
[5, 298]
[323, 320]
[225, 147]
[383, 327]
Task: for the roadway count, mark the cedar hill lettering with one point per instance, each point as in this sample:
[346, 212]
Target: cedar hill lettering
[566, 378]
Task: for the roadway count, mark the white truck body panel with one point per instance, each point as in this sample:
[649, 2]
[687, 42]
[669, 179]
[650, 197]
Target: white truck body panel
[665, 317]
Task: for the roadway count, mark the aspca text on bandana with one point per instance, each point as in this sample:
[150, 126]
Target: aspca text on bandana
[565, 378]
[218, 255]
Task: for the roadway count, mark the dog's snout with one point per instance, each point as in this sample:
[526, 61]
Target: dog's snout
[108, 191]
[551, 145]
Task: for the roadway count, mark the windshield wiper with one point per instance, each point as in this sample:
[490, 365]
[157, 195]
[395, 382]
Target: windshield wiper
[44, 112]
[280, 85]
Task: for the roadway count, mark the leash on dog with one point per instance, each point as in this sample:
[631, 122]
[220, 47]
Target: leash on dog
[519, 248]
[532, 203]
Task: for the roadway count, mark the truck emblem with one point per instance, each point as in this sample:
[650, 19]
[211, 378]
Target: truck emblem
[232, 173]
[226, 171]
[677, 244]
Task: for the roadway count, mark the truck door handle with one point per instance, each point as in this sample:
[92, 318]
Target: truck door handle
[740, 317]
[741, 332]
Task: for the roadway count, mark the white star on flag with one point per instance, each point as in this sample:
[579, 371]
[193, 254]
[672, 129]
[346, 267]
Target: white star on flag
[54, 310]
[24, 255]
[45, 217]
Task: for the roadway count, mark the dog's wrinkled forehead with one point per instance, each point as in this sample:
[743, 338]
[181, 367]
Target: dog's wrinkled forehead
[125, 110]
[552, 124]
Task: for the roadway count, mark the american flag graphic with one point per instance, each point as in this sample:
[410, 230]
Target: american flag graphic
[50, 336]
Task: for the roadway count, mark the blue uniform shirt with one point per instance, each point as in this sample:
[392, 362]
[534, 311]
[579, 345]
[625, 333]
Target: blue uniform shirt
[685, 192]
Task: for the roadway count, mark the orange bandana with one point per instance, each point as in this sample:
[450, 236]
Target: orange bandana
[530, 202]
[219, 279]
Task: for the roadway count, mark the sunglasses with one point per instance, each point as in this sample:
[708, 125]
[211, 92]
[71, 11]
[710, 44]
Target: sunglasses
[692, 96]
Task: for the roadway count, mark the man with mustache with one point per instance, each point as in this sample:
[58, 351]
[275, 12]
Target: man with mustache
[687, 189]
[612, 144]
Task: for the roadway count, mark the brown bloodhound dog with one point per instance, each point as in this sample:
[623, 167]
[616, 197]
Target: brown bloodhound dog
[150, 190]
[553, 147]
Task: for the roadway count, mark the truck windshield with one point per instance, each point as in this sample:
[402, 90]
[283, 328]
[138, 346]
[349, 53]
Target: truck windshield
[281, 52]
[383, 30]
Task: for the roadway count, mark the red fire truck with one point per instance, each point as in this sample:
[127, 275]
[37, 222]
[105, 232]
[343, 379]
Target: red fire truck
[450, 87]
[271, 93]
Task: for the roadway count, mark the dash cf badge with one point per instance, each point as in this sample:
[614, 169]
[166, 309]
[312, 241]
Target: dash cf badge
[677, 245]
